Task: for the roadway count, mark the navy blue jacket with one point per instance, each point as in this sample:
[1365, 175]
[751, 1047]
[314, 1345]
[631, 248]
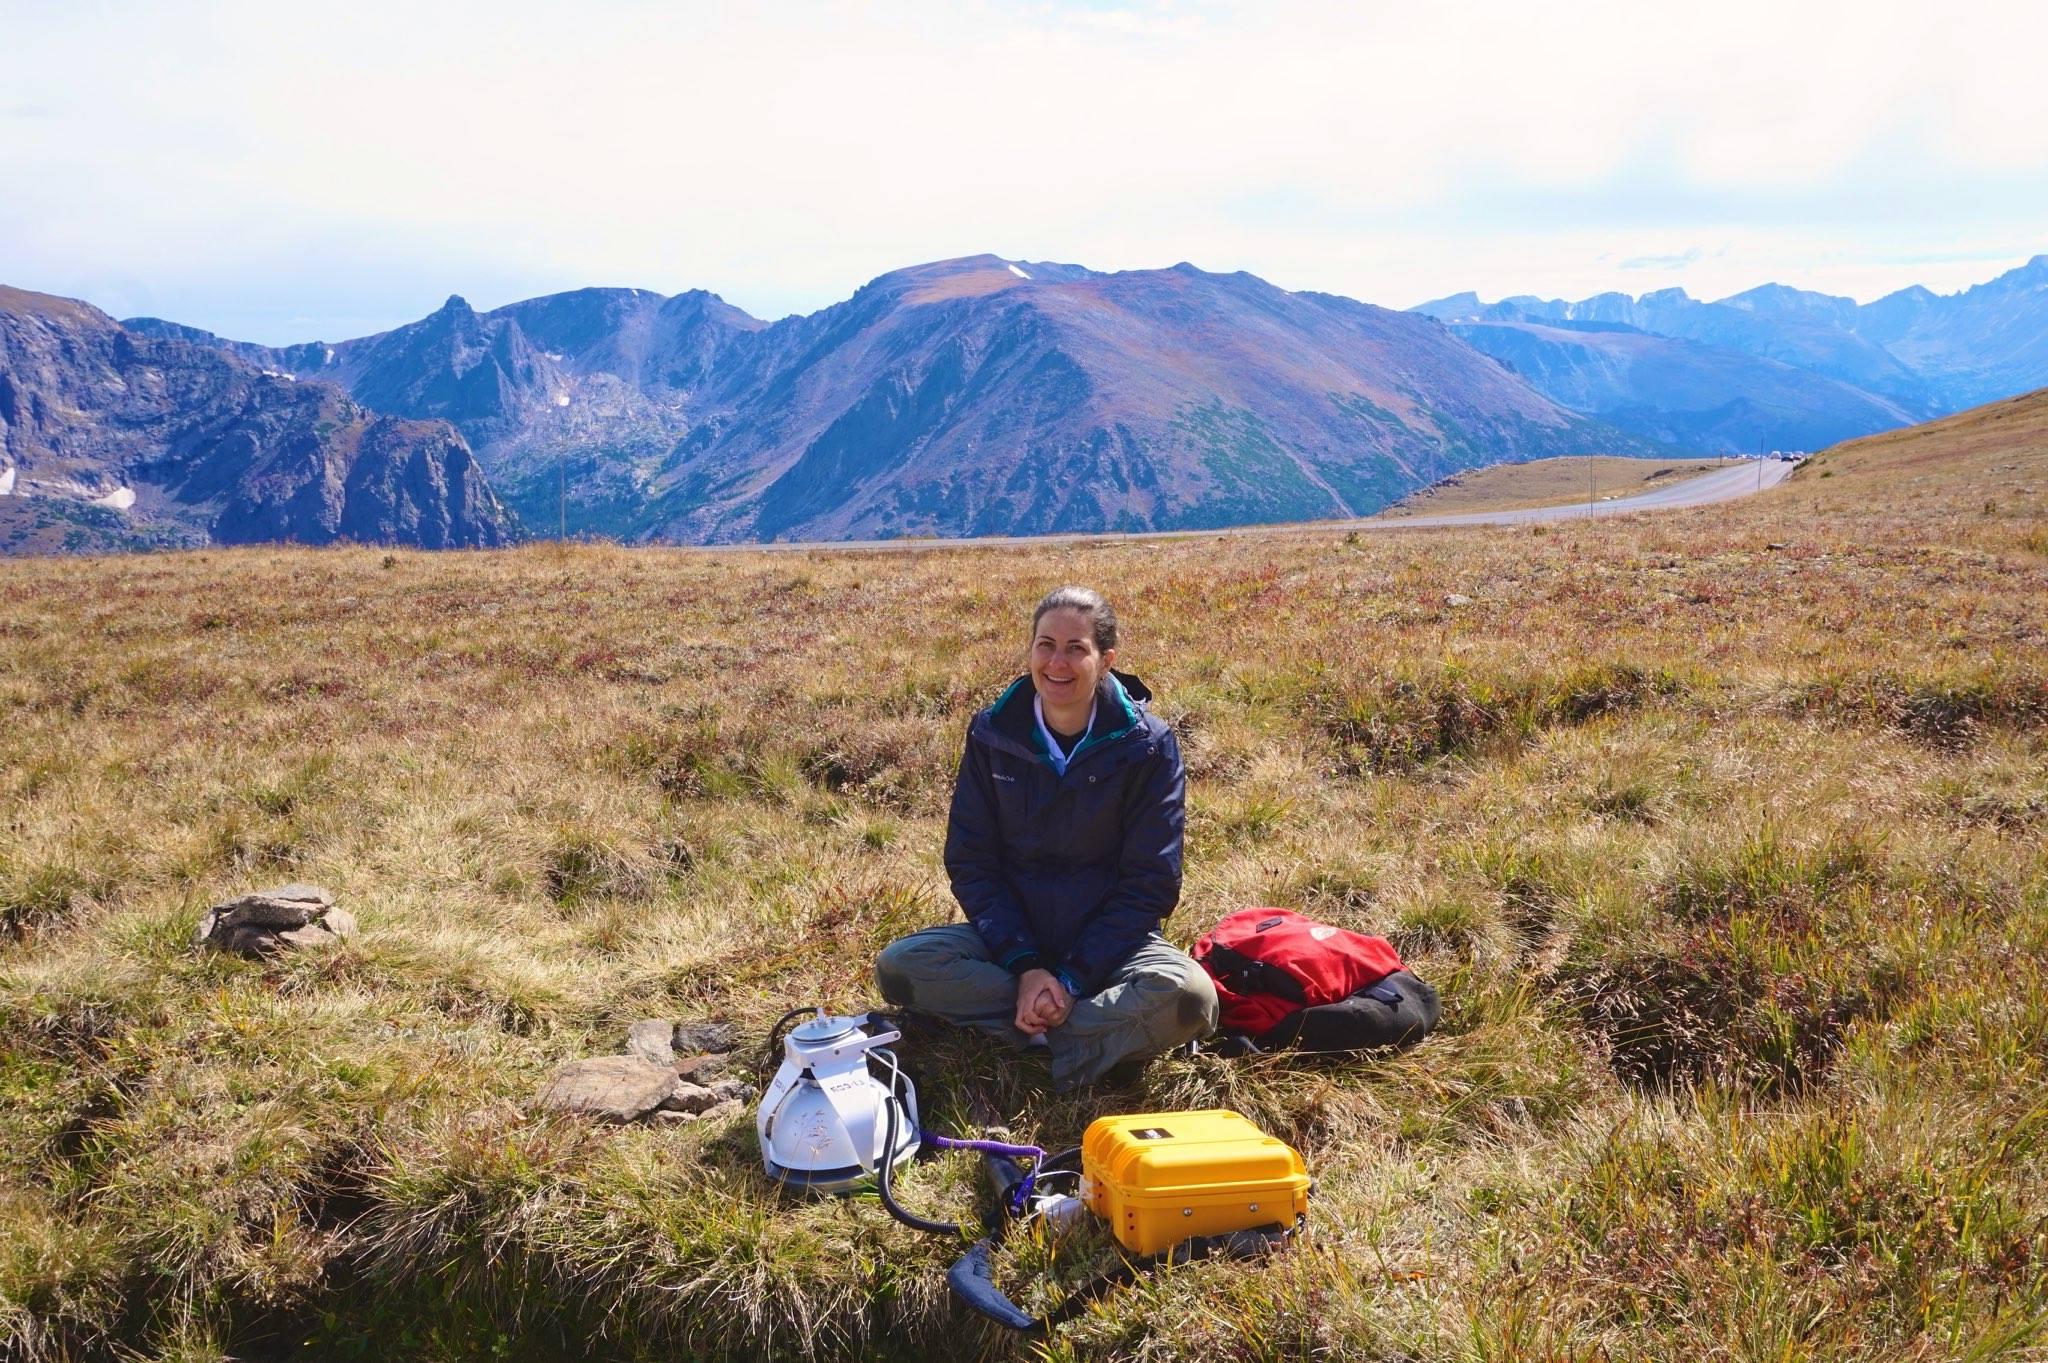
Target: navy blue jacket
[1068, 872]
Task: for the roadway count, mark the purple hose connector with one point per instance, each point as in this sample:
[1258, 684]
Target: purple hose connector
[1020, 1196]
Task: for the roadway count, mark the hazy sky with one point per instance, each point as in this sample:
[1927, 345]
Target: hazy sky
[282, 172]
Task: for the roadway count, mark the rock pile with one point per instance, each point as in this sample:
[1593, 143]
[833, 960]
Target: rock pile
[284, 918]
[671, 1072]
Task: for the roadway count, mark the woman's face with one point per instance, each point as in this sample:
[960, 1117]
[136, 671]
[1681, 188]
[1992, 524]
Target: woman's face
[1065, 664]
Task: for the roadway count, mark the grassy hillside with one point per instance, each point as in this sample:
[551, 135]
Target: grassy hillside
[1721, 833]
[1990, 463]
[1547, 482]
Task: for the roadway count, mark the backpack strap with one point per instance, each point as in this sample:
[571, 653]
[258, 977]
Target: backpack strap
[1248, 975]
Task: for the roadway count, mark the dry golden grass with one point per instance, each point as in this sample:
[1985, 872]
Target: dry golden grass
[1991, 461]
[1563, 481]
[1721, 832]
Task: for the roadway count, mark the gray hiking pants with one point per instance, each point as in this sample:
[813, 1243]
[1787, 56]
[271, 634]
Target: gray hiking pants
[1157, 999]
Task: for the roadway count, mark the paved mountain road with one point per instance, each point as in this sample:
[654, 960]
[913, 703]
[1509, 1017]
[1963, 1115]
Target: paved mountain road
[1722, 485]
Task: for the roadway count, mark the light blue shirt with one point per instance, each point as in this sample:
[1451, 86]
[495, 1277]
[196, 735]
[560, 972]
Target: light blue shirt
[1053, 752]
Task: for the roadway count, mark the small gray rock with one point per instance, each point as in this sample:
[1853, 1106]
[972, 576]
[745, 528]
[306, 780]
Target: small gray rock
[1457, 601]
[616, 1088]
[691, 1098]
[295, 915]
[731, 1090]
[702, 1069]
[261, 911]
[246, 941]
[666, 1117]
[649, 1039]
[731, 1107]
[698, 1038]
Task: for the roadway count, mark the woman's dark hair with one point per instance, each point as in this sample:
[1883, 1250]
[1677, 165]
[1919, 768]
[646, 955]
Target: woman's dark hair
[1100, 616]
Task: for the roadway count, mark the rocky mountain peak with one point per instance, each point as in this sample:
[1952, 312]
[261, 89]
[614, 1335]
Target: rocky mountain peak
[1451, 307]
[163, 436]
[982, 394]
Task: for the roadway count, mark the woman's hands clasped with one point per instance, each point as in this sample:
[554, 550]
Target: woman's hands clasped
[1042, 1002]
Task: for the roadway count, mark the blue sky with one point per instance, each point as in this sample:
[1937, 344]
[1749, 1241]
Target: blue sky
[279, 174]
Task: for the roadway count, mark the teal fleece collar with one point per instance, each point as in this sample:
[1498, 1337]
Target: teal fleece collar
[1116, 714]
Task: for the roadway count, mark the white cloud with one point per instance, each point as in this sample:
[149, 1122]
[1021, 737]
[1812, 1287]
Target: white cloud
[783, 154]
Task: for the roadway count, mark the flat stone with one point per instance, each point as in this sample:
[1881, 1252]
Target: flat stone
[667, 1118]
[649, 1039]
[698, 1038]
[245, 940]
[701, 1069]
[616, 1088]
[731, 1107]
[691, 1098]
[296, 914]
[1457, 600]
[261, 911]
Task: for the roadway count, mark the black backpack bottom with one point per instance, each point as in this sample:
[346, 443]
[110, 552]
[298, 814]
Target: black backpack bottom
[1398, 1011]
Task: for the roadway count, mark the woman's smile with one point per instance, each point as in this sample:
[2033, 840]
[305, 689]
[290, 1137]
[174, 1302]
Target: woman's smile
[1065, 667]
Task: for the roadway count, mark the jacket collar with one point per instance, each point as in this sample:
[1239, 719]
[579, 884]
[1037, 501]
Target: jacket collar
[1119, 707]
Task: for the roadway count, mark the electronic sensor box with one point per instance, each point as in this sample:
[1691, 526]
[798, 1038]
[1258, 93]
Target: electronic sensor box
[1159, 1178]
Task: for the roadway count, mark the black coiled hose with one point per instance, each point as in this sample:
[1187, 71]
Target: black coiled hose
[775, 1033]
[884, 1176]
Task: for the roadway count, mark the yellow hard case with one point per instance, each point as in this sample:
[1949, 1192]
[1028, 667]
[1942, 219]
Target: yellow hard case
[1160, 1177]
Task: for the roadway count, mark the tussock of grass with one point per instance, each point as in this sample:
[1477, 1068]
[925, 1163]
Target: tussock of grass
[1397, 723]
[1727, 861]
[1951, 708]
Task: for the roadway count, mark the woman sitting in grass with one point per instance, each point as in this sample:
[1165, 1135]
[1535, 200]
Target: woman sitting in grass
[1064, 849]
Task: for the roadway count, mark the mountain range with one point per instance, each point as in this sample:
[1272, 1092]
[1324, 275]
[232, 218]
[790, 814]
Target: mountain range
[115, 438]
[964, 397]
[1773, 366]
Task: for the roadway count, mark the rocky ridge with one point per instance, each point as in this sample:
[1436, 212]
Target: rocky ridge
[115, 438]
[964, 397]
[1771, 366]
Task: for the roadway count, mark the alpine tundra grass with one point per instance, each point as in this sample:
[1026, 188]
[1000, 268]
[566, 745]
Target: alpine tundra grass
[1721, 834]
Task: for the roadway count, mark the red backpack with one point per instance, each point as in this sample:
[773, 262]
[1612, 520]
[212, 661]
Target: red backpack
[1287, 980]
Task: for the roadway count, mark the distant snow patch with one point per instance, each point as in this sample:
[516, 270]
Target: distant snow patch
[280, 374]
[7, 483]
[329, 350]
[121, 498]
[561, 399]
[1019, 273]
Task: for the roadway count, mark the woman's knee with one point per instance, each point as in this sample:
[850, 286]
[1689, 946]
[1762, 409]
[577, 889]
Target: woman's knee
[909, 963]
[1182, 1003]
[1195, 1003]
[897, 972]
